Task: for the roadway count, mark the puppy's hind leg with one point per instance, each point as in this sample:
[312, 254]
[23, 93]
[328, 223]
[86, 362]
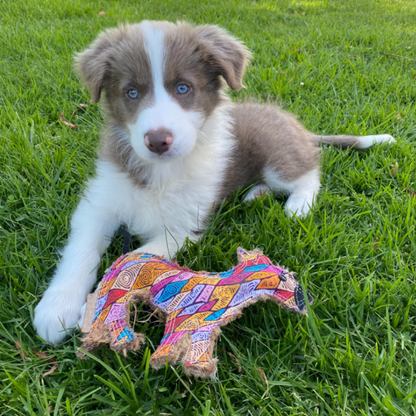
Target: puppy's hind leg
[256, 191]
[304, 194]
[302, 191]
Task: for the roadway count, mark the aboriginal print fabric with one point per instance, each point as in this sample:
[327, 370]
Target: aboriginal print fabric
[196, 304]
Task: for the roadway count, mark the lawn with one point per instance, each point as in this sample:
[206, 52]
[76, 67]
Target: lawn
[355, 353]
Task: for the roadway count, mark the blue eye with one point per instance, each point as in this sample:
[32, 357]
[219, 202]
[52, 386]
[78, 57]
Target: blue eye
[133, 94]
[182, 89]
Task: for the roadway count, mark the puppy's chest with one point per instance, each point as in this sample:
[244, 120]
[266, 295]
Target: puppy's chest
[179, 196]
[181, 205]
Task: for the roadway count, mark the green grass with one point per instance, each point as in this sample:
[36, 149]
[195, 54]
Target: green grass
[356, 252]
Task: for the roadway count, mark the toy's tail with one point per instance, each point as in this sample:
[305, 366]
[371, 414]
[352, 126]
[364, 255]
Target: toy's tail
[358, 142]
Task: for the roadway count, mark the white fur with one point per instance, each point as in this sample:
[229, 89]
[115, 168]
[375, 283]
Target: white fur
[303, 190]
[165, 113]
[92, 227]
[164, 214]
[365, 142]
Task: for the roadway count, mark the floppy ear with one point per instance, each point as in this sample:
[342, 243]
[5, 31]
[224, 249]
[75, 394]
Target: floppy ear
[224, 53]
[93, 64]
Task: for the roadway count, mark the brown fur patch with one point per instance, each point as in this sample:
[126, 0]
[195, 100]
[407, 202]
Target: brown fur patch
[197, 57]
[224, 54]
[343, 141]
[268, 136]
[115, 62]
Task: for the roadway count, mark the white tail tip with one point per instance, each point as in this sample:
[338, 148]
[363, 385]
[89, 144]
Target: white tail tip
[367, 141]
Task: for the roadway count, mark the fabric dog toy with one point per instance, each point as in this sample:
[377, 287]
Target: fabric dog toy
[196, 305]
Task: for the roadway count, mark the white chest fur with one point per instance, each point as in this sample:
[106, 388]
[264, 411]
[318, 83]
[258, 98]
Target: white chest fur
[179, 195]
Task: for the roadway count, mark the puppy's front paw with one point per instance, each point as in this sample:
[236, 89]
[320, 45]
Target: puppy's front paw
[57, 314]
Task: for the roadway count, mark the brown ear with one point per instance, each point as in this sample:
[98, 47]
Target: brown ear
[227, 55]
[93, 64]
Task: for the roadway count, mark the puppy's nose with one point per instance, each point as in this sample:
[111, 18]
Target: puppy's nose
[158, 141]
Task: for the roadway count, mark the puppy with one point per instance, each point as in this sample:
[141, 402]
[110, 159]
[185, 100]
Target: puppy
[174, 147]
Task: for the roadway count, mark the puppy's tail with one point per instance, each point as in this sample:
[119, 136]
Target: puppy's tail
[357, 142]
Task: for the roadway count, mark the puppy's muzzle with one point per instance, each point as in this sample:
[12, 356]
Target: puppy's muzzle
[158, 141]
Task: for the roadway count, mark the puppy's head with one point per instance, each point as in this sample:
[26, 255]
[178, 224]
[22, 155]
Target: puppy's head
[162, 80]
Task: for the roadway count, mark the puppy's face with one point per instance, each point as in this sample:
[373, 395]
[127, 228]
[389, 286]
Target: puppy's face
[161, 81]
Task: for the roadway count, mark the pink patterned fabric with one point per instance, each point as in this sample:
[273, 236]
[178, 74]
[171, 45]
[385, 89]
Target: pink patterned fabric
[196, 304]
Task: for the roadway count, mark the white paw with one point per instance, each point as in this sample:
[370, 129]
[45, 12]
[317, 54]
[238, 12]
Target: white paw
[256, 192]
[297, 205]
[58, 313]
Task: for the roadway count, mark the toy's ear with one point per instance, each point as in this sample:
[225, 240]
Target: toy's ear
[244, 255]
[241, 254]
[94, 63]
[226, 55]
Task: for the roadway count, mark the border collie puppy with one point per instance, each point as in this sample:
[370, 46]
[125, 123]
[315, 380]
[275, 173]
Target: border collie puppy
[173, 147]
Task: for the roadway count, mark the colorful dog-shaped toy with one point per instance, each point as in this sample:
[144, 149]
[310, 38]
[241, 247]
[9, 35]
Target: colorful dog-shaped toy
[197, 304]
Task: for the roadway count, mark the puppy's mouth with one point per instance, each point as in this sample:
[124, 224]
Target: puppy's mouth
[174, 152]
[166, 157]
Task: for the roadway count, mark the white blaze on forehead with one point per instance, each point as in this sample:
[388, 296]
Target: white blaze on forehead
[165, 112]
[155, 48]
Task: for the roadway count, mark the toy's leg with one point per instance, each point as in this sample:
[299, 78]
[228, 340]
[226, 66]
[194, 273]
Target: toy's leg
[116, 320]
[112, 328]
[199, 361]
[123, 338]
[172, 347]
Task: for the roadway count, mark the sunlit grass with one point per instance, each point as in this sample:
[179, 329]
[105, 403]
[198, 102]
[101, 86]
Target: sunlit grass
[356, 252]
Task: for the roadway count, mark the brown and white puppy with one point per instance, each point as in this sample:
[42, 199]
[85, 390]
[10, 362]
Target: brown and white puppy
[173, 147]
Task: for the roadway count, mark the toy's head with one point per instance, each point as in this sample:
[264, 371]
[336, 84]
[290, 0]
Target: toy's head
[274, 280]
